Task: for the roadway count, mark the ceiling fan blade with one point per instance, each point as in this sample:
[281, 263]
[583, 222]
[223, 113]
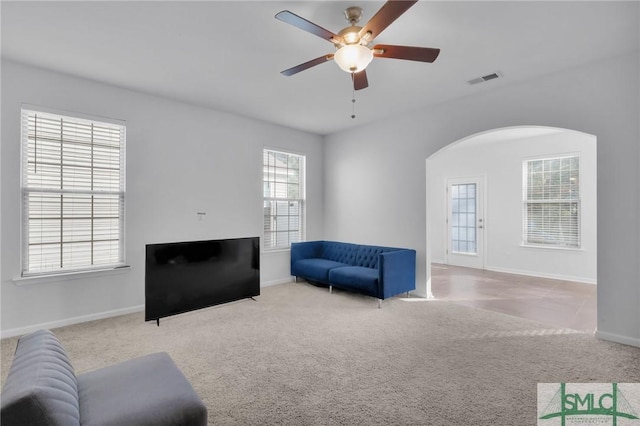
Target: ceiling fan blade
[422, 54]
[388, 13]
[360, 80]
[304, 25]
[307, 65]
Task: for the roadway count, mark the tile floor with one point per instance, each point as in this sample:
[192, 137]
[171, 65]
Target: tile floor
[557, 303]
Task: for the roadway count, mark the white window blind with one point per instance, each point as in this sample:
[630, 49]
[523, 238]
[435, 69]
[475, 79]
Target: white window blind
[73, 191]
[284, 199]
[552, 202]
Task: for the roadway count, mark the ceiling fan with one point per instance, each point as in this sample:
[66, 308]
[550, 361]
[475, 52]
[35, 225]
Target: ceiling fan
[354, 52]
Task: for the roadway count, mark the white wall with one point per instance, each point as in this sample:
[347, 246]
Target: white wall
[374, 179]
[181, 159]
[501, 164]
[375, 188]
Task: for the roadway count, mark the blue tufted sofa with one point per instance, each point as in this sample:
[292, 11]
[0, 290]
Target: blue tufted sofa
[380, 272]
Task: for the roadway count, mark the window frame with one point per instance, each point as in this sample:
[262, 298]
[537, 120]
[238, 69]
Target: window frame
[577, 201]
[52, 274]
[301, 200]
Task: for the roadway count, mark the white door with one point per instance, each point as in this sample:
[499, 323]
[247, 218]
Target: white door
[465, 222]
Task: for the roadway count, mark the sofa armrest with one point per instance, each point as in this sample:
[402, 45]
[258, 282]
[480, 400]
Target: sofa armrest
[41, 387]
[305, 250]
[397, 271]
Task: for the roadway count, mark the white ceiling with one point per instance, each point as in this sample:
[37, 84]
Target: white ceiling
[228, 55]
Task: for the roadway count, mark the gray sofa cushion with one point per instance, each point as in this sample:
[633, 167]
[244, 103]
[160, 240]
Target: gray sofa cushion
[41, 387]
[150, 390]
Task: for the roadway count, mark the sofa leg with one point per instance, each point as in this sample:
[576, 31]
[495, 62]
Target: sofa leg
[407, 295]
[379, 303]
[330, 289]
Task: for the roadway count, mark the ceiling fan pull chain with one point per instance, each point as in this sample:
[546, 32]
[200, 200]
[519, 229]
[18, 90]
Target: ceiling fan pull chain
[353, 99]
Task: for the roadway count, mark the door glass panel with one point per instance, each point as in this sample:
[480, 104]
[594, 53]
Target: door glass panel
[463, 212]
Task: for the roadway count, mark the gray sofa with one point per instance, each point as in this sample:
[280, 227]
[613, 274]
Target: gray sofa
[42, 389]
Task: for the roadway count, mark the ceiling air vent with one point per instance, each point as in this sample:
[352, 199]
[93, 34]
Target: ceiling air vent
[485, 78]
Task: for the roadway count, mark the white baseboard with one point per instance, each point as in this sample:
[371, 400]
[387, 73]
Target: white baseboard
[631, 341]
[101, 315]
[276, 282]
[419, 295]
[542, 275]
[69, 321]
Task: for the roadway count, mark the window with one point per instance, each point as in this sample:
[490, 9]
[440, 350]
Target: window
[284, 199]
[72, 194]
[552, 202]
[463, 218]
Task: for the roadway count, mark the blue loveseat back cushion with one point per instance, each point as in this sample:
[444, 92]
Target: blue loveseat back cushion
[367, 256]
[339, 252]
[41, 387]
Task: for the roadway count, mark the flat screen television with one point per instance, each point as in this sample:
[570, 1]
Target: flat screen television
[185, 276]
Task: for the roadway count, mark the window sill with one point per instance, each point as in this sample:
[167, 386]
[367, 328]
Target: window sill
[276, 251]
[533, 246]
[66, 276]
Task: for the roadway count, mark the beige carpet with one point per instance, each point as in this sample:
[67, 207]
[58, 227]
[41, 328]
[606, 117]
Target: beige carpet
[301, 356]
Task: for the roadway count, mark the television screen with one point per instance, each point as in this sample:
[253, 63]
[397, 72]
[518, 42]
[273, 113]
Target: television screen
[181, 277]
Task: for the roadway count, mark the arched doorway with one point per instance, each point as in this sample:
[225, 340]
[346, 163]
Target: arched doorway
[520, 201]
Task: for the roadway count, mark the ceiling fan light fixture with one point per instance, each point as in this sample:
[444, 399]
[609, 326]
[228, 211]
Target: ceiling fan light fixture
[353, 58]
[351, 37]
